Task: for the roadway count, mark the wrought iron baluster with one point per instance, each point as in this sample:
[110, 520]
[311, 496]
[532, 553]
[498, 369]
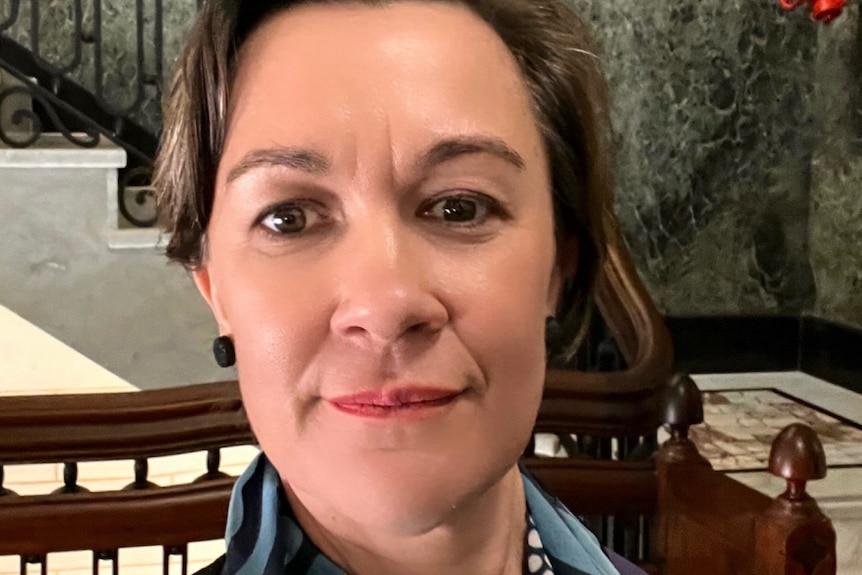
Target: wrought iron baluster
[34, 560]
[111, 555]
[213, 464]
[140, 61]
[70, 479]
[96, 35]
[643, 541]
[624, 535]
[213, 461]
[142, 469]
[34, 30]
[78, 34]
[608, 529]
[159, 41]
[182, 551]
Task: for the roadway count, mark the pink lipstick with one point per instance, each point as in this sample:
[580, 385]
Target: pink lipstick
[402, 401]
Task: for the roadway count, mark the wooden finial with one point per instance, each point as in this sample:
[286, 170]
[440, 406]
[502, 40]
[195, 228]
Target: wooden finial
[797, 456]
[681, 405]
[681, 408]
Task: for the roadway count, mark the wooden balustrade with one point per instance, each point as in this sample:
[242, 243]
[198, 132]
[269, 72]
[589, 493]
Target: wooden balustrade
[707, 523]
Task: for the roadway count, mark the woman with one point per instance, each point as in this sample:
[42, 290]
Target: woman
[382, 202]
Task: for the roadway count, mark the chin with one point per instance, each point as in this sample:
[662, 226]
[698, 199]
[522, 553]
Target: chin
[402, 494]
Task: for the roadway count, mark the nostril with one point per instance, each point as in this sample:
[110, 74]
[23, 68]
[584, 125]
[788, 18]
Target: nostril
[418, 328]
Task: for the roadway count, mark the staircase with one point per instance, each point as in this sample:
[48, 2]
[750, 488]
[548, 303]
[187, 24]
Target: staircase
[66, 266]
[81, 259]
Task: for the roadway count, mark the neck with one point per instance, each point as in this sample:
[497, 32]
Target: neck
[485, 536]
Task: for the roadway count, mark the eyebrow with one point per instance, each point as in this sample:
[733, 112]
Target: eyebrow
[451, 148]
[302, 159]
[315, 163]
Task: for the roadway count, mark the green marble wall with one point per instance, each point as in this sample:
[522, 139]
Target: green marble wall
[835, 221]
[737, 192]
[712, 115]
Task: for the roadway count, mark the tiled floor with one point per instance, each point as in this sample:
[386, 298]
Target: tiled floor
[740, 427]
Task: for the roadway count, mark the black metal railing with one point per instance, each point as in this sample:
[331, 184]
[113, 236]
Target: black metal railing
[68, 79]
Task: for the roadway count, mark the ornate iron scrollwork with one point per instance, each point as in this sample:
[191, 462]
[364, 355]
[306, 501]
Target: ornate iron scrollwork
[14, 6]
[20, 117]
[135, 188]
[84, 114]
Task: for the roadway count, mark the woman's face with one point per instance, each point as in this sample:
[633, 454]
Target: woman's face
[381, 251]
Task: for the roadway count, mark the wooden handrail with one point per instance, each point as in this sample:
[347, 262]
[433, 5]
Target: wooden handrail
[41, 429]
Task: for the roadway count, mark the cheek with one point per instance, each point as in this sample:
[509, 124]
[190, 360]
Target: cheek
[504, 324]
[506, 300]
[278, 324]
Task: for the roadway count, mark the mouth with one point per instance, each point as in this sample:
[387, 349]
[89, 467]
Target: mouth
[397, 402]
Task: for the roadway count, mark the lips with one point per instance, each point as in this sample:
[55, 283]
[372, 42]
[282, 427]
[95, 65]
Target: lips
[395, 402]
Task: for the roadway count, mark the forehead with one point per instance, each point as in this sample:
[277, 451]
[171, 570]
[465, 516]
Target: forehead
[352, 75]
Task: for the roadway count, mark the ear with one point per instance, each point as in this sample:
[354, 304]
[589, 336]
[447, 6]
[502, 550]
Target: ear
[565, 266]
[208, 289]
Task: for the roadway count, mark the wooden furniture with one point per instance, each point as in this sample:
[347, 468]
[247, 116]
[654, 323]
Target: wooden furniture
[664, 508]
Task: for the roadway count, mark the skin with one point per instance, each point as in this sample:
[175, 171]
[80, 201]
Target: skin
[334, 111]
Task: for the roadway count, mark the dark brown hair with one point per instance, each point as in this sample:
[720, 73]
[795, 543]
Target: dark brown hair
[553, 51]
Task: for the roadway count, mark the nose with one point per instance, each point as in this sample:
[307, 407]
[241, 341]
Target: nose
[386, 289]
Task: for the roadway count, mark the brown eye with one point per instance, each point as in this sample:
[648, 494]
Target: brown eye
[459, 210]
[285, 220]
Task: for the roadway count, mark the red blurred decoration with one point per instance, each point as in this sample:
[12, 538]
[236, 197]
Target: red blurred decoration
[821, 10]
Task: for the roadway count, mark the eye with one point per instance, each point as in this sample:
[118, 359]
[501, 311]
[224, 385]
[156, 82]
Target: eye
[289, 219]
[461, 209]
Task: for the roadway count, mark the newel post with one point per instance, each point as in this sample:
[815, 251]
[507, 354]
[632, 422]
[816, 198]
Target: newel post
[681, 407]
[793, 536]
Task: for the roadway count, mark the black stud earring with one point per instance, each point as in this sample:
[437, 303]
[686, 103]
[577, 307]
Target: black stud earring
[553, 331]
[224, 352]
